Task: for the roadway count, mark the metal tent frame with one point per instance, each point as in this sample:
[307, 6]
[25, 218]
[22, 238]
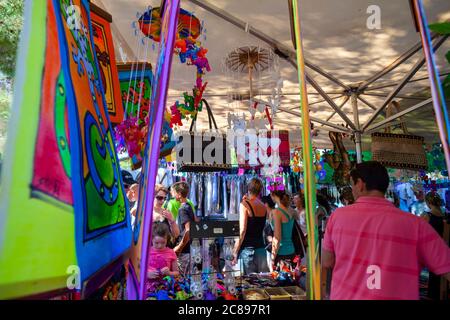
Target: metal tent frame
[351, 92]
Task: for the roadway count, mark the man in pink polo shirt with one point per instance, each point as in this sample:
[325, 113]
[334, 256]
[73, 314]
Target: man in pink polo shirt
[375, 250]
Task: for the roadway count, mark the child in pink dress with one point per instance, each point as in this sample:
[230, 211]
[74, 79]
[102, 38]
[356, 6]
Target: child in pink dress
[162, 260]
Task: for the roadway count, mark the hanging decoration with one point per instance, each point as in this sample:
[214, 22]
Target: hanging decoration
[318, 162]
[236, 122]
[276, 181]
[267, 108]
[339, 160]
[188, 24]
[137, 83]
[190, 52]
[256, 62]
[136, 88]
[265, 119]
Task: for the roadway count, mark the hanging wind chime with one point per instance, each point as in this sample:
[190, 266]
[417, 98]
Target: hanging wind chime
[250, 60]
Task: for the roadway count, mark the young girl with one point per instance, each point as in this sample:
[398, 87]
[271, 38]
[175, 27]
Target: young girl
[162, 260]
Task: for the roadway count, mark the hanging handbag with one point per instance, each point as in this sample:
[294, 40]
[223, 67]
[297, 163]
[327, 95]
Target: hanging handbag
[203, 151]
[268, 232]
[299, 240]
[402, 151]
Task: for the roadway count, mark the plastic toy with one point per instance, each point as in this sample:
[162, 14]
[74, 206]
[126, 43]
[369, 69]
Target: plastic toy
[210, 296]
[190, 52]
[181, 295]
[175, 119]
[162, 295]
[228, 296]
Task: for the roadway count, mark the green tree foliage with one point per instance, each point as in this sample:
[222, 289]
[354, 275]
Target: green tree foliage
[11, 22]
[5, 107]
[443, 28]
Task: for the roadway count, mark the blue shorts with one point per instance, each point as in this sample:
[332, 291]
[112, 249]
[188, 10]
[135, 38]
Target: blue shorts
[254, 260]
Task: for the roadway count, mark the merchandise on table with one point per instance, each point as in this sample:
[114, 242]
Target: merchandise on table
[296, 293]
[255, 294]
[277, 294]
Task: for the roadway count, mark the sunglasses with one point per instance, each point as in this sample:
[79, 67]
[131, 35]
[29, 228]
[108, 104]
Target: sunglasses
[160, 198]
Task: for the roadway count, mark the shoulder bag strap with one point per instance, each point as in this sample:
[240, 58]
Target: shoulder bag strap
[251, 208]
[211, 119]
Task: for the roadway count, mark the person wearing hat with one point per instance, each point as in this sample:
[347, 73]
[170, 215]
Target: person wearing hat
[127, 179]
[132, 191]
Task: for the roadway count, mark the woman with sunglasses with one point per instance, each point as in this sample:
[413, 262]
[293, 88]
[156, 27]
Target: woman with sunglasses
[161, 215]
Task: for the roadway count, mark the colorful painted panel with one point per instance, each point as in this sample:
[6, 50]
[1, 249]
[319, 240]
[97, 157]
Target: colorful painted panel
[37, 233]
[51, 179]
[104, 48]
[136, 80]
[133, 77]
[136, 84]
[103, 230]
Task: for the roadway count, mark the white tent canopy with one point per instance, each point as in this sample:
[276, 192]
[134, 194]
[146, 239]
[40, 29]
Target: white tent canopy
[336, 39]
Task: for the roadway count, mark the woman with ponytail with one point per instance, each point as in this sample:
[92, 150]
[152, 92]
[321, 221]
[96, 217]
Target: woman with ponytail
[283, 250]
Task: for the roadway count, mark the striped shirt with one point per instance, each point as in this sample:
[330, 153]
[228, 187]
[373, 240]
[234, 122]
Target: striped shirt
[380, 251]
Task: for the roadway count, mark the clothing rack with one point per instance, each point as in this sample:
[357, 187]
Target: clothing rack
[217, 195]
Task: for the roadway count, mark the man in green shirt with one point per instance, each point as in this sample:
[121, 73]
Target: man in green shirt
[173, 205]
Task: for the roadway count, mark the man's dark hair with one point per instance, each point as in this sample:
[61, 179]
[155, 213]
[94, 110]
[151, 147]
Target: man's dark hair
[373, 174]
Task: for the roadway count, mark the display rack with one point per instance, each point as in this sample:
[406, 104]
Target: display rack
[205, 256]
